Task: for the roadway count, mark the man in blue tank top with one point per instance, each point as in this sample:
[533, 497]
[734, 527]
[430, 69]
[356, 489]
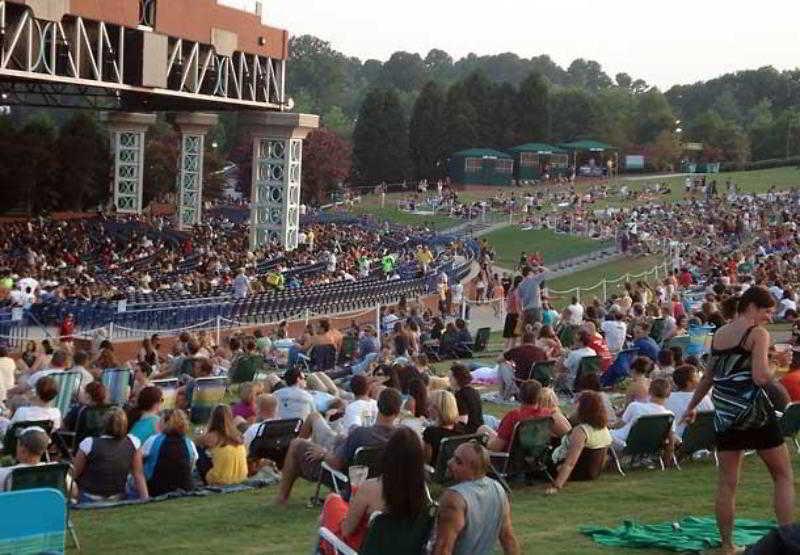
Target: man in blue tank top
[474, 513]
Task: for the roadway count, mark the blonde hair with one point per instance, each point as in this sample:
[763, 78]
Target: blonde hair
[445, 404]
[548, 399]
[250, 390]
[266, 403]
[175, 422]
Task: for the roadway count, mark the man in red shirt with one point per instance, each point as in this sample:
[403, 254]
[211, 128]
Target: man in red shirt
[516, 364]
[529, 393]
[685, 278]
[598, 345]
[791, 382]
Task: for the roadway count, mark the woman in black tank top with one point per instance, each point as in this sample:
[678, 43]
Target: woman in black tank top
[738, 370]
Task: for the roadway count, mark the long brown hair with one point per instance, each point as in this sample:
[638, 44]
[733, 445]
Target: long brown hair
[403, 481]
[592, 410]
[221, 423]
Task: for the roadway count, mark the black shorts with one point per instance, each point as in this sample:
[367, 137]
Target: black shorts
[510, 325]
[766, 437]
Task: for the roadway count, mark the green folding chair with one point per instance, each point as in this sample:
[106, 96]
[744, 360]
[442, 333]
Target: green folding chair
[49, 475]
[587, 365]
[118, 384]
[544, 372]
[481, 340]
[529, 450]
[91, 422]
[657, 329]
[67, 384]
[371, 457]
[207, 394]
[700, 435]
[648, 438]
[566, 334]
[790, 423]
[245, 368]
[447, 447]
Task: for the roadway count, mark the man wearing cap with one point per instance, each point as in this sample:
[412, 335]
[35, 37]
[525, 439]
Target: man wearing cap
[31, 444]
[530, 293]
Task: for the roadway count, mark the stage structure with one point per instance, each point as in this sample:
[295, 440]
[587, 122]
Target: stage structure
[132, 58]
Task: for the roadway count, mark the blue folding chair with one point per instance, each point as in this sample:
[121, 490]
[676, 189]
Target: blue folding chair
[118, 384]
[34, 521]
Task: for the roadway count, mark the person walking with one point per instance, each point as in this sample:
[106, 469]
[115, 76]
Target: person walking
[744, 418]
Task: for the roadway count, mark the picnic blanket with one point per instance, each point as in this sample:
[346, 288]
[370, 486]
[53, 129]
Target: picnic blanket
[260, 480]
[690, 534]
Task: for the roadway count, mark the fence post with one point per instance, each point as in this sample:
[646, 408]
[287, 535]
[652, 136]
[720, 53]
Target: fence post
[219, 325]
[578, 294]
[605, 291]
[378, 324]
[111, 331]
[464, 309]
[307, 315]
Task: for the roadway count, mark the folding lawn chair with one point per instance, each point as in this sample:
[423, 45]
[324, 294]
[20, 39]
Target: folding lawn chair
[528, 452]
[481, 340]
[68, 384]
[447, 447]
[34, 521]
[387, 535]
[118, 384]
[587, 365]
[371, 457]
[700, 435]
[648, 437]
[566, 334]
[169, 392]
[208, 393]
[273, 439]
[681, 341]
[790, 423]
[620, 368]
[49, 475]
[544, 372]
[245, 368]
[657, 329]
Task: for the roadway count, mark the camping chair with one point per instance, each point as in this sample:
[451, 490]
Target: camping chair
[657, 329]
[481, 340]
[700, 435]
[12, 434]
[447, 447]
[90, 423]
[387, 535]
[273, 439]
[648, 438]
[169, 392]
[587, 365]
[544, 372]
[589, 465]
[620, 368]
[208, 393]
[245, 368]
[50, 475]
[529, 450]
[323, 358]
[33, 521]
[566, 334]
[349, 345]
[681, 341]
[68, 384]
[370, 457]
[790, 423]
[118, 384]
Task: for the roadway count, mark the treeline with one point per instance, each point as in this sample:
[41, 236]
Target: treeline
[740, 117]
[49, 167]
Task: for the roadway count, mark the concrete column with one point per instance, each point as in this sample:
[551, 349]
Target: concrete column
[193, 127]
[127, 131]
[277, 168]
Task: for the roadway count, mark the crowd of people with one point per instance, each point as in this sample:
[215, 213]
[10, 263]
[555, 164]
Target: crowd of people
[384, 393]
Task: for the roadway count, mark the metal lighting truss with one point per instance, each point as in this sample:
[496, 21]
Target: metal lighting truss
[77, 62]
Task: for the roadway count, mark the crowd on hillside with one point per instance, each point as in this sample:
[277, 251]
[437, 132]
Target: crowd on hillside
[115, 257]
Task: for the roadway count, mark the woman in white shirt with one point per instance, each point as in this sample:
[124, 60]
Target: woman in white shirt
[40, 409]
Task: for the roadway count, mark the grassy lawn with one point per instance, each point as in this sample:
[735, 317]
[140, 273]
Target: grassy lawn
[510, 241]
[248, 523]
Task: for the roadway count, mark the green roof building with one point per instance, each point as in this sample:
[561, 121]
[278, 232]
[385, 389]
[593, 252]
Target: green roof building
[481, 166]
[533, 160]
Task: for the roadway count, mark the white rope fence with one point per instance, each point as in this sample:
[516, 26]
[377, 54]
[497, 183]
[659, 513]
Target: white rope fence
[661, 270]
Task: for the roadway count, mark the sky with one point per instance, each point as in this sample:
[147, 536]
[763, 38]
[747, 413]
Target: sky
[664, 43]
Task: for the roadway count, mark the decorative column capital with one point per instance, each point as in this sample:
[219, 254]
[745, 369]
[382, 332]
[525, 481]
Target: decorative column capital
[195, 123]
[278, 125]
[129, 121]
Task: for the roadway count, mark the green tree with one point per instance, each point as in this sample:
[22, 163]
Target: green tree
[85, 162]
[576, 114]
[439, 65]
[35, 170]
[403, 71]
[161, 154]
[327, 161]
[653, 116]
[533, 110]
[427, 133]
[380, 139]
[461, 118]
[588, 74]
[623, 80]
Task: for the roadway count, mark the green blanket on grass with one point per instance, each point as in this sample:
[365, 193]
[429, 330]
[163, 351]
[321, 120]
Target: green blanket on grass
[690, 534]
